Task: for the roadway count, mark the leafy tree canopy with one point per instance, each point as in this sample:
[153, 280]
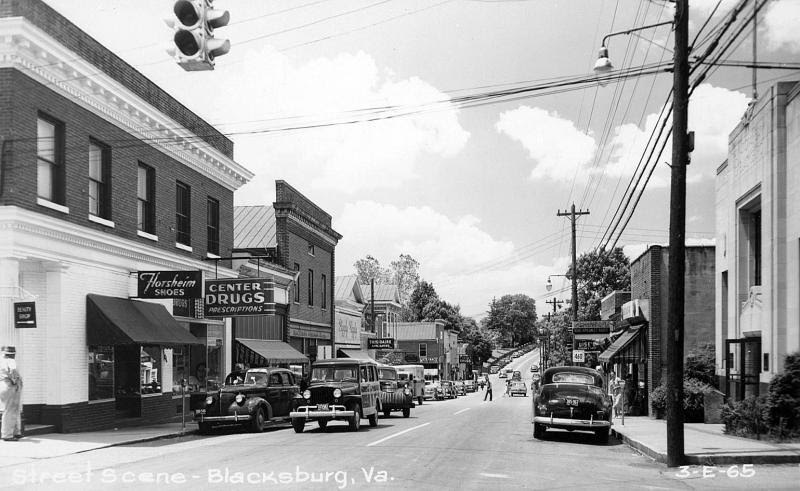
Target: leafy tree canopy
[600, 273]
[513, 317]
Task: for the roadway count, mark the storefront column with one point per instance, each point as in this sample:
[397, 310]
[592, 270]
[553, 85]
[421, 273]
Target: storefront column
[227, 346]
[9, 293]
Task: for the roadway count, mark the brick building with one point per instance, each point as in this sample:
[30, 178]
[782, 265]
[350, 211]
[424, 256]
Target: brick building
[296, 237]
[103, 175]
[758, 244]
[384, 301]
[433, 342]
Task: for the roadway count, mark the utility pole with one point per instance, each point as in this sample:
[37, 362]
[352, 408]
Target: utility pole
[677, 232]
[555, 304]
[573, 216]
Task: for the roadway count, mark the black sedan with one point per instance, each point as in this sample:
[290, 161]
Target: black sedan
[572, 398]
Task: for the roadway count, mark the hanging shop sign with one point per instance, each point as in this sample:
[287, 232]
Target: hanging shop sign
[170, 284]
[380, 343]
[464, 359]
[239, 297]
[25, 315]
[591, 327]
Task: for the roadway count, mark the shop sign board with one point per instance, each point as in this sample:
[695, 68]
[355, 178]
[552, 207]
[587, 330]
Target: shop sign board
[25, 315]
[348, 328]
[428, 359]
[464, 359]
[578, 356]
[380, 343]
[239, 297]
[592, 327]
[585, 344]
[170, 284]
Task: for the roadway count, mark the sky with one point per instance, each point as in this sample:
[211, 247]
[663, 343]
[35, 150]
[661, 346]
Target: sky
[472, 191]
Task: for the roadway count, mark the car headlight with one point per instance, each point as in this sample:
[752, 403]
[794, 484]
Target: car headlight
[307, 394]
[337, 393]
[209, 401]
[542, 408]
[239, 399]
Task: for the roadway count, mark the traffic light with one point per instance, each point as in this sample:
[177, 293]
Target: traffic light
[195, 46]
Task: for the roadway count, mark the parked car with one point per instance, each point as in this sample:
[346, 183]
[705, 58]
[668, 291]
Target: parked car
[502, 374]
[431, 390]
[534, 368]
[446, 390]
[516, 354]
[340, 389]
[494, 369]
[572, 398]
[517, 375]
[413, 376]
[518, 387]
[394, 397]
[255, 398]
[471, 385]
[460, 387]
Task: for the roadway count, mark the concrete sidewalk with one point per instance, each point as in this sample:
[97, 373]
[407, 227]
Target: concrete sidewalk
[704, 444]
[59, 444]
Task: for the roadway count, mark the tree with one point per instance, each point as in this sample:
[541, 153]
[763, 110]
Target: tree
[405, 274]
[369, 269]
[423, 294]
[556, 328]
[600, 273]
[481, 340]
[513, 317]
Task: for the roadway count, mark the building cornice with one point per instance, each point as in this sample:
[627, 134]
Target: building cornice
[31, 51]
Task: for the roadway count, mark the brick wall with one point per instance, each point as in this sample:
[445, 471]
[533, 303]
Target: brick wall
[19, 185]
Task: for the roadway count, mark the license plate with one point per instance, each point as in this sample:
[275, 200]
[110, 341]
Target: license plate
[572, 402]
[322, 407]
[200, 411]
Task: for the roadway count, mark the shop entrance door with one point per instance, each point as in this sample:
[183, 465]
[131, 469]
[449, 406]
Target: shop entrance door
[742, 367]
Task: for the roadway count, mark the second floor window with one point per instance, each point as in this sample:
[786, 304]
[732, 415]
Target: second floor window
[324, 301]
[297, 286]
[310, 287]
[50, 160]
[183, 219]
[423, 349]
[99, 180]
[213, 226]
[145, 197]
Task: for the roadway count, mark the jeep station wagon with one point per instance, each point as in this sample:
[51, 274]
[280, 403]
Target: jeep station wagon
[255, 398]
[345, 389]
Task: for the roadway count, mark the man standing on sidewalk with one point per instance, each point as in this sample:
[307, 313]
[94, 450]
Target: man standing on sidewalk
[10, 395]
[488, 390]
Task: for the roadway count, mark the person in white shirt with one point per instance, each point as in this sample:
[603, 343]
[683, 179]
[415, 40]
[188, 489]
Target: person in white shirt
[10, 395]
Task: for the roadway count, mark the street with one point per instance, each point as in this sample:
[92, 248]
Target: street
[464, 443]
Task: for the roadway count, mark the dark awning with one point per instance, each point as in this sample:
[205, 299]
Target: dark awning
[356, 354]
[112, 321]
[264, 352]
[620, 345]
[592, 336]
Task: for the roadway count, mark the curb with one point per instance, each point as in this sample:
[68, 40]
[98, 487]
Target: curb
[142, 440]
[788, 457]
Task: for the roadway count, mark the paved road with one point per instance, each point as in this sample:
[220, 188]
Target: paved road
[457, 444]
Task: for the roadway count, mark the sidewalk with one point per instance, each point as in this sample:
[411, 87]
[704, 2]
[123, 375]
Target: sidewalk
[58, 444]
[704, 444]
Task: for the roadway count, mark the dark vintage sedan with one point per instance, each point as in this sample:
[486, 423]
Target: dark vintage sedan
[255, 398]
[572, 398]
[394, 395]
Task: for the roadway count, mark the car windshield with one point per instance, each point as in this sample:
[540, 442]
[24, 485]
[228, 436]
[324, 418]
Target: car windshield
[387, 374]
[402, 376]
[252, 378]
[572, 378]
[334, 374]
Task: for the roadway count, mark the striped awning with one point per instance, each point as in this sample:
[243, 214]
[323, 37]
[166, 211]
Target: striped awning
[629, 347]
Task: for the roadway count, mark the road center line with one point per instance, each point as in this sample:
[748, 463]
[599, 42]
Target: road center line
[459, 412]
[397, 434]
[502, 476]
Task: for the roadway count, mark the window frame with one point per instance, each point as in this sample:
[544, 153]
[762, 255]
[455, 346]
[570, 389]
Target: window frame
[183, 214]
[310, 287]
[103, 197]
[56, 167]
[324, 286]
[212, 229]
[146, 207]
[423, 347]
[297, 285]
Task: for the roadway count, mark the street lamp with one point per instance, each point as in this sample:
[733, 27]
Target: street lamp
[603, 63]
[549, 285]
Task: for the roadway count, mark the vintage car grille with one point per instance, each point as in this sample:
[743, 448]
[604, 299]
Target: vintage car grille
[583, 411]
[222, 401]
[322, 395]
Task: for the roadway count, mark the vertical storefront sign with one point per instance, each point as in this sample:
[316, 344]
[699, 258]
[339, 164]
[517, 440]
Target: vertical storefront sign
[25, 315]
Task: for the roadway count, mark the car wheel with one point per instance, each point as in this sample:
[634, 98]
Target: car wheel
[601, 436]
[323, 424]
[406, 412]
[258, 421]
[538, 431]
[373, 420]
[298, 424]
[387, 413]
[355, 420]
[204, 428]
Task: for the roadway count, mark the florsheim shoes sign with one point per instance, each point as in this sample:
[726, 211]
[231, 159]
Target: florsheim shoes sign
[170, 284]
[239, 297]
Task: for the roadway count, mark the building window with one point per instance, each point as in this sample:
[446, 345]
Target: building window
[101, 372]
[311, 249]
[297, 286]
[324, 302]
[183, 219]
[50, 160]
[423, 349]
[310, 287]
[213, 226]
[145, 194]
[99, 180]
[150, 372]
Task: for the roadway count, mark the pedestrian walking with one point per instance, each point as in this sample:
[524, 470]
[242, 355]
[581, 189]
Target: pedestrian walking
[488, 390]
[10, 395]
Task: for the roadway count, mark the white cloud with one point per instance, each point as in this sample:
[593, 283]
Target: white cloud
[781, 23]
[558, 147]
[706, 6]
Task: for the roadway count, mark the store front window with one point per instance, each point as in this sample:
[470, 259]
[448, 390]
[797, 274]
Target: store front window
[204, 364]
[101, 372]
[150, 371]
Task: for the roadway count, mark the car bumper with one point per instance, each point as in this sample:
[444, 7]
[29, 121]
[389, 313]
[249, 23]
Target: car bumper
[311, 412]
[586, 424]
[236, 418]
[523, 392]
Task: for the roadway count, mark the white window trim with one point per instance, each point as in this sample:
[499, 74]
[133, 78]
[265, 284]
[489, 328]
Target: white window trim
[145, 235]
[101, 221]
[210, 255]
[53, 206]
[183, 247]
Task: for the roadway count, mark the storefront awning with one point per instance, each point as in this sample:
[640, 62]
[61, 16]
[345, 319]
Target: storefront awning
[593, 337]
[112, 321]
[356, 354]
[268, 352]
[621, 345]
